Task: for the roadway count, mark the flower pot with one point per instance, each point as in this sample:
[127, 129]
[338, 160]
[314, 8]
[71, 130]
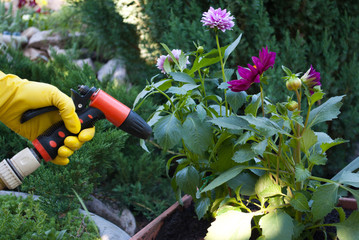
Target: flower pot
[348, 203]
[150, 231]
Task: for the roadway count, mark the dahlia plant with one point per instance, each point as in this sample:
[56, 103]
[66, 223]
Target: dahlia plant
[248, 162]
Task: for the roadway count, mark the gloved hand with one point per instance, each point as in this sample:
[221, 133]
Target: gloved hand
[19, 95]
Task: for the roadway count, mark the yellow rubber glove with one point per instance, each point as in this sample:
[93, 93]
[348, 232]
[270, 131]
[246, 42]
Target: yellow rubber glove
[19, 95]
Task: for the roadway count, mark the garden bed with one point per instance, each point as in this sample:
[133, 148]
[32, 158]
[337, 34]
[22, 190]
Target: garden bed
[180, 222]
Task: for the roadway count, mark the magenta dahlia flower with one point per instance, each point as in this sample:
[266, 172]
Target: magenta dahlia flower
[311, 78]
[239, 85]
[252, 73]
[218, 19]
[266, 60]
[161, 60]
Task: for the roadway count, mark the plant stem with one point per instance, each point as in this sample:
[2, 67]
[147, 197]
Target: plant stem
[223, 75]
[202, 82]
[164, 94]
[262, 98]
[321, 225]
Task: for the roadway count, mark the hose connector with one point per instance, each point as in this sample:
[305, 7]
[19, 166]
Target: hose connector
[14, 170]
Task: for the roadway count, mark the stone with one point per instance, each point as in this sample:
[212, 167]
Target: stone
[29, 32]
[82, 62]
[115, 68]
[34, 54]
[125, 221]
[44, 39]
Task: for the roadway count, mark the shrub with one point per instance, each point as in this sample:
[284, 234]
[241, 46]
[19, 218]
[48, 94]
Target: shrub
[23, 218]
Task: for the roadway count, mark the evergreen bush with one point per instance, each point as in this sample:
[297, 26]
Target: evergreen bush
[24, 219]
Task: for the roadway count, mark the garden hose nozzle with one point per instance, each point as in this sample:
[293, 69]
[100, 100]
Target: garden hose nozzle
[14, 170]
[91, 105]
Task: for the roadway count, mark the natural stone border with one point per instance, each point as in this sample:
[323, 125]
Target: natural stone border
[108, 230]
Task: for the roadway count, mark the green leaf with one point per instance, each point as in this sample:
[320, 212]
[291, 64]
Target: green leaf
[202, 206]
[266, 187]
[182, 90]
[228, 72]
[299, 202]
[350, 178]
[349, 229]
[277, 225]
[287, 70]
[202, 114]
[197, 135]
[143, 145]
[252, 108]
[325, 112]
[324, 200]
[244, 154]
[206, 60]
[230, 225]
[351, 167]
[163, 85]
[246, 181]
[182, 61]
[182, 77]
[264, 126]
[316, 97]
[171, 55]
[245, 137]
[188, 180]
[231, 122]
[168, 131]
[308, 140]
[318, 159]
[167, 66]
[337, 141]
[236, 99]
[223, 178]
[231, 47]
[259, 148]
[301, 173]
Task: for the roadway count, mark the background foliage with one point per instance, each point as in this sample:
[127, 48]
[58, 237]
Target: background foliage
[303, 33]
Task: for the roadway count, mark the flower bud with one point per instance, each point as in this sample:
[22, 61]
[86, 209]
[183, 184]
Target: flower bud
[200, 49]
[292, 105]
[293, 83]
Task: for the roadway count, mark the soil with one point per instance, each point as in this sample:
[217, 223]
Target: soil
[184, 225]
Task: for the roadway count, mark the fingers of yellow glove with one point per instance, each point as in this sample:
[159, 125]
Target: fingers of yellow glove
[73, 143]
[86, 134]
[67, 111]
[60, 161]
[64, 152]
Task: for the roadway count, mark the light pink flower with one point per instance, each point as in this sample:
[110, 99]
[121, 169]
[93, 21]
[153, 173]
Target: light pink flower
[218, 19]
[161, 60]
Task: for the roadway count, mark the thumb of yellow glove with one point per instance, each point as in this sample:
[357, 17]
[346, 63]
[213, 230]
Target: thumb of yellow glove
[72, 143]
[19, 95]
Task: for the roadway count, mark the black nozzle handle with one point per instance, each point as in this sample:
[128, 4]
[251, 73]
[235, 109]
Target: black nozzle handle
[48, 143]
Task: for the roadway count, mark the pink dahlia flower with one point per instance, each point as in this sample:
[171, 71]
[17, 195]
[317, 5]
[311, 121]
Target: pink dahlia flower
[161, 60]
[218, 19]
[311, 78]
[252, 73]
